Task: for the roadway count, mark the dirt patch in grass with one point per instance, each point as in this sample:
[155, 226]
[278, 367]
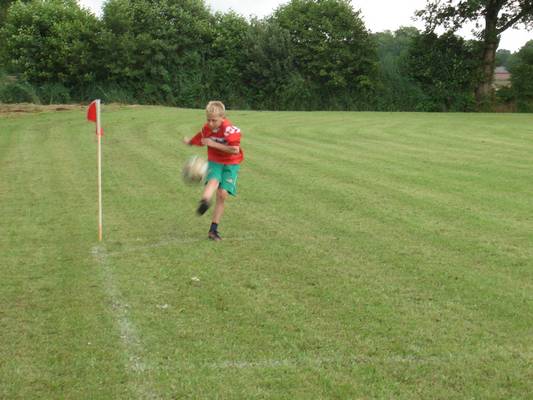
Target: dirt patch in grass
[35, 108]
[23, 108]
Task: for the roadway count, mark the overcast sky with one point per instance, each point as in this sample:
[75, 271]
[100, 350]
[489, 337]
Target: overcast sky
[378, 15]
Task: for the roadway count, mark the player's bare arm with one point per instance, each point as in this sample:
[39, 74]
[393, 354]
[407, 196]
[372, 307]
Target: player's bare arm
[222, 147]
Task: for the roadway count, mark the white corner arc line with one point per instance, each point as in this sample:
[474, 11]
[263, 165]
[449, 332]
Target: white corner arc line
[171, 242]
[135, 363]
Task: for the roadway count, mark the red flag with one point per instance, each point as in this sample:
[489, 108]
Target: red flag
[91, 115]
[91, 112]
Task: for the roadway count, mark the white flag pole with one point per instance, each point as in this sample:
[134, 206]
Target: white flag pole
[99, 134]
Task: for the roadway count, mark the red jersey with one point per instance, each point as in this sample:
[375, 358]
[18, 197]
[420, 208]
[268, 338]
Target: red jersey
[226, 134]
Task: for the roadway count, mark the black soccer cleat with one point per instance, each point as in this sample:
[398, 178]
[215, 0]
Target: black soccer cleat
[213, 235]
[202, 207]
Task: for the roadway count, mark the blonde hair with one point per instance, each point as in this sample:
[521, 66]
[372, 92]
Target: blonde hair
[216, 107]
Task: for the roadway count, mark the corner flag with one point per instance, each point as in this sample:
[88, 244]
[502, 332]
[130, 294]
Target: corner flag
[93, 114]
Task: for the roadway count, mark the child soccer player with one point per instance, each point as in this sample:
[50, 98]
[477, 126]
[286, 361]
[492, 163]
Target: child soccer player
[224, 155]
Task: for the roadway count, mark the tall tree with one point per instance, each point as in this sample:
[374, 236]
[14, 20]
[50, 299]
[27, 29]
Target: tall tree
[4, 5]
[396, 90]
[445, 70]
[333, 51]
[224, 60]
[491, 18]
[502, 58]
[157, 48]
[268, 73]
[50, 41]
[522, 77]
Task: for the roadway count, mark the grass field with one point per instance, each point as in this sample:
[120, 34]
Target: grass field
[367, 256]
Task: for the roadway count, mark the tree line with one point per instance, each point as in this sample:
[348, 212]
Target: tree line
[307, 55]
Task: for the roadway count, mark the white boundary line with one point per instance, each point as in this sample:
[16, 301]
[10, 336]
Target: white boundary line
[135, 364]
[177, 241]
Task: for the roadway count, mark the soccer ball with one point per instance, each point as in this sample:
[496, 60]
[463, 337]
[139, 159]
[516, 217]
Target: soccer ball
[194, 170]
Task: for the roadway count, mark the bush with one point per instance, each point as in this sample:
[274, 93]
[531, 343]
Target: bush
[111, 93]
[54, 93]
[524, 106]
[505, 95]
[17, 92]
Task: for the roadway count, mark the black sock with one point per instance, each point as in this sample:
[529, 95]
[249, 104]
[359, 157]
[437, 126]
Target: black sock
[214, 227]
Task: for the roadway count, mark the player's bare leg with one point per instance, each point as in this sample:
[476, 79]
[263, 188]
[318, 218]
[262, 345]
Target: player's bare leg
[222, 195]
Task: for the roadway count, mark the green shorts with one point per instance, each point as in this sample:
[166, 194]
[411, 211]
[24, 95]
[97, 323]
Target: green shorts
[225, 174]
